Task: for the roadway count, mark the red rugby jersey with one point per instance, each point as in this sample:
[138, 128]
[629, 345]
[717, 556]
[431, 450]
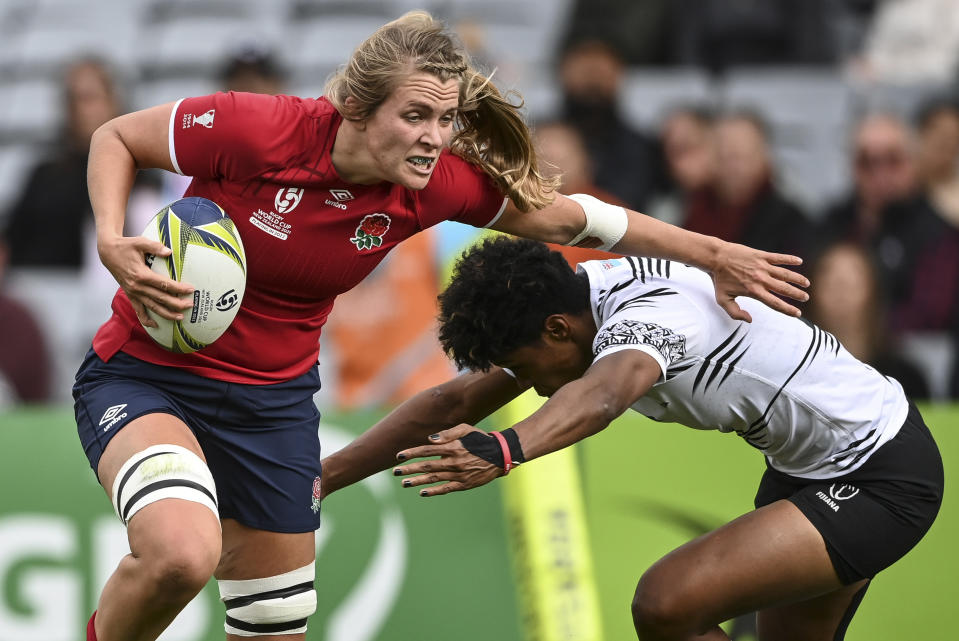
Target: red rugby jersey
[308, 234]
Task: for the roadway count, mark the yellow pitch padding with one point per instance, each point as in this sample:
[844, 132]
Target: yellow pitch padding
[549, 542]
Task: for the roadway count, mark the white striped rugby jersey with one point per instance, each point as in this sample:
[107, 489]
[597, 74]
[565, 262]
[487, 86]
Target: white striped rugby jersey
[786, 387]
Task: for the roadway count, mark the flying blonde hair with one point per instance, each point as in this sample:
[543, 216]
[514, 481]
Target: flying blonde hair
[490, 132]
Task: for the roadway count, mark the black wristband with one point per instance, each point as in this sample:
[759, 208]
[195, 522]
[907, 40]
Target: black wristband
[515, 449]
[487, 447]
[484, 446]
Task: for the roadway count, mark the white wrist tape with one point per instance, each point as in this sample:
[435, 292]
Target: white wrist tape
[603, 221]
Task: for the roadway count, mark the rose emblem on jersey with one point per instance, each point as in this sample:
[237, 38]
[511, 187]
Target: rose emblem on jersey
[317, 486]
[370, 231]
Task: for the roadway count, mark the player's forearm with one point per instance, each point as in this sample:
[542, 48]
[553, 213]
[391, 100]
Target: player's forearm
[376, 448]
[647, 236]
[111, 170]
[576, 411]
[588, 404]
[465, 399]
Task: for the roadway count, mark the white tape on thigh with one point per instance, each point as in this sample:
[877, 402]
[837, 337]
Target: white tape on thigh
[603, 221]
[275, 605]
[162, 472]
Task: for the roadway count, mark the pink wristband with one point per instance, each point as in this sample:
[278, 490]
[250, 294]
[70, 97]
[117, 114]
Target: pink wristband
[507, 457]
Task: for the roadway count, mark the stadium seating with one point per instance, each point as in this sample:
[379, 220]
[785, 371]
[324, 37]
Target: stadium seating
[934, 354]
[155, 92]
[809, 111]
[648, 93]
[197, 45]
[31, 110]
[323, 42]
[44, 35]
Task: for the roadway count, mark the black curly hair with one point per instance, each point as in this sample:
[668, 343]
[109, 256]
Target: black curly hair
[502, 291]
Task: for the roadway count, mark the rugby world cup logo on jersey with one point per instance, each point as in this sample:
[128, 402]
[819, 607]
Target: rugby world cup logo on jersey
[287, 199]
[370, 231]
[113, 416]
[339, 195]
[272, 222]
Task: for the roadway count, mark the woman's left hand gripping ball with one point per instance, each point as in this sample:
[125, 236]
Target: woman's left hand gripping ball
[455, 470]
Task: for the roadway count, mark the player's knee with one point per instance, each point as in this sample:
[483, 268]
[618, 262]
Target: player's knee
[658, 611]
[178, 574]
[275, 605]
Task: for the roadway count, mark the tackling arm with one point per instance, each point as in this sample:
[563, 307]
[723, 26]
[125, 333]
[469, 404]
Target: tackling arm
[577, 410]
[468, 398]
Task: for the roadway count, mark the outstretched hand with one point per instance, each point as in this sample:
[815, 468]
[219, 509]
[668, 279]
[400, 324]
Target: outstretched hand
[744, 271]
[455, 470]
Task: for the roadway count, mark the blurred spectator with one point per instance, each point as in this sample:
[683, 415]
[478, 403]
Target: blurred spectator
[47, 222]
[845, 300]
[54, 266]
[562, 152]
[885, 213]
[24, 358]
[639, 29]
[883, 158]
[254, 69]
[719, 34]
[689, 153]
[626, 162]
[912, 42]
[743, 204]
[930, 292]
[938, 124]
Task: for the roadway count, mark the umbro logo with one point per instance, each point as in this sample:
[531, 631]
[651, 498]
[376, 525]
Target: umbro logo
[340, 195]
[113, 415]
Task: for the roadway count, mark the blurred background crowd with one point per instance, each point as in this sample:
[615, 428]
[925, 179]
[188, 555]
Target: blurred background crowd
[823, 128]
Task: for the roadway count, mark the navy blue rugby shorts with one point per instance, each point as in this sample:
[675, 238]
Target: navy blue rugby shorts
[872, 517]
[260, 441]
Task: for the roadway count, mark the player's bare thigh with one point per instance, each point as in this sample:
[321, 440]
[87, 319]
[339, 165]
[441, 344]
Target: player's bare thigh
[767, 557]
[168, 523]
[816, 619]
[249, 553]
[252, 554]
[138, 435]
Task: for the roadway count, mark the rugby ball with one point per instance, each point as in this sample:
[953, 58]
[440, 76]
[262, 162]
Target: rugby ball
[207, 254]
